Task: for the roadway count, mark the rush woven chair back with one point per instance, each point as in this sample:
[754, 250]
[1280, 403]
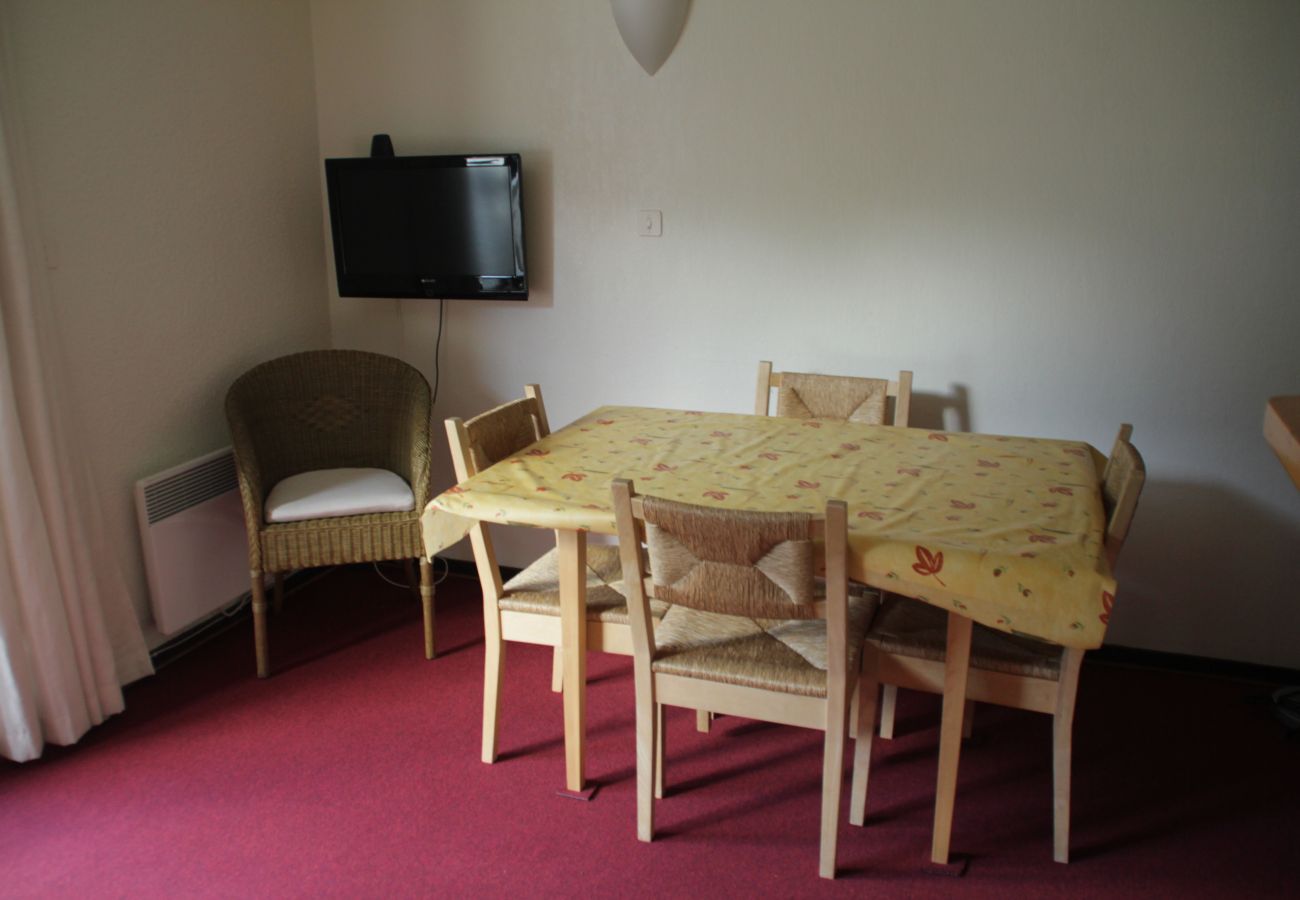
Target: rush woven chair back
[332, 451]
[907, 645]
[843, 398]
[526, 608]
[749, 631]
[1121, 485]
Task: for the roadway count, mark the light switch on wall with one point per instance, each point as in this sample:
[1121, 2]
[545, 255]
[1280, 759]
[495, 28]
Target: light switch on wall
[650, 222]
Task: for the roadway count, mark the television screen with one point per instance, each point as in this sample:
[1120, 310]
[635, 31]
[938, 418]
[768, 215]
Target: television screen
[428, 226]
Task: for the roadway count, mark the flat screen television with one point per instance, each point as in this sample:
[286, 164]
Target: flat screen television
[428, 226]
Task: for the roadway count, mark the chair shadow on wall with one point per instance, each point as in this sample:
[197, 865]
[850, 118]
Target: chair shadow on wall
[941, 412]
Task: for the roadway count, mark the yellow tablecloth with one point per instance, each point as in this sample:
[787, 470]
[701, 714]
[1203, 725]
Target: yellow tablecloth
[1006, 530]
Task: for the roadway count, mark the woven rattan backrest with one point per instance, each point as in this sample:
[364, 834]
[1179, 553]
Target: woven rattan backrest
[1121, 486]
[729, 561]
[843, 398]
[503, 431]
[326, 409]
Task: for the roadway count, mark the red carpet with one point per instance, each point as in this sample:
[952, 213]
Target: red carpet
[354, 772]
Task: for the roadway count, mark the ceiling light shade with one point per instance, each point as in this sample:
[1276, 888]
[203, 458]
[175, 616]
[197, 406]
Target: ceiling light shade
[650, 28]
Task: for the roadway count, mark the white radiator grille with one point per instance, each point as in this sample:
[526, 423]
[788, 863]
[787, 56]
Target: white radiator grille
[167, 494]
[192, 534]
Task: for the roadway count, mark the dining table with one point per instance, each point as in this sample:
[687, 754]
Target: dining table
[999, 530]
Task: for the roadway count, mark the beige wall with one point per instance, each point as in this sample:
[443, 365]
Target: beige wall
[1061, 215]
[173, 152]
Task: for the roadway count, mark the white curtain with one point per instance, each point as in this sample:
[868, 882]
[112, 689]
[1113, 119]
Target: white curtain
[69, 637]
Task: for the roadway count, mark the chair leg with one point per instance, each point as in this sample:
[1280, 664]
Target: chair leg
[888, 701]
[955, 678]
[494, 652]
[1060, 790]
[277, 597]
[259, 626]
[832, 783]
[426, 600]
[557, 670]
[867, 693]
[646, 740]
[408, 567]
[659, 751]
[854, 701]
[703, 719]
[1062, 742]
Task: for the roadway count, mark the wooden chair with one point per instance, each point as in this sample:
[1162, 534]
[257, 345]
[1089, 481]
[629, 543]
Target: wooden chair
[841, 397]
[332, 452]
[526, 608]
[907, 643]
[747, 633]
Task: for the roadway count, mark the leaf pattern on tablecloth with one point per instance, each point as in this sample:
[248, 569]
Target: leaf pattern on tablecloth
[928, 562]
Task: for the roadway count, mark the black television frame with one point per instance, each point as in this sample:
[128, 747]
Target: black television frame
[448, 286]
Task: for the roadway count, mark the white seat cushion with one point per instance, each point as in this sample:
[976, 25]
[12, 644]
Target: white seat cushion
[325, 493]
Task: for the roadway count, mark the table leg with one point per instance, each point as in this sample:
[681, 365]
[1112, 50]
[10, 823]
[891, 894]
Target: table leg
[956, 669]
[573, 639]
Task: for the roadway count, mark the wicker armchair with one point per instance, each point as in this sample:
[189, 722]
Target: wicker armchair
[330, 410]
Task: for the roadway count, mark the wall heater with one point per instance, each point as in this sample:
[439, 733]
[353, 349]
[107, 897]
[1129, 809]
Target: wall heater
[195, 545]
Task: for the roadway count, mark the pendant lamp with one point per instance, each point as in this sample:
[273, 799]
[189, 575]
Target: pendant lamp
[650, 28]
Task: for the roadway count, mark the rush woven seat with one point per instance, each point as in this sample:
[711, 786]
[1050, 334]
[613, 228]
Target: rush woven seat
[536, 589]
[904, 626]
[526, 608]
[907, 647]
[787, 655]
[330, 410]
[749, 631]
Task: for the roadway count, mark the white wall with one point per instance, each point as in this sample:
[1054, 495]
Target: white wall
[173, 152]
[1061, 215]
